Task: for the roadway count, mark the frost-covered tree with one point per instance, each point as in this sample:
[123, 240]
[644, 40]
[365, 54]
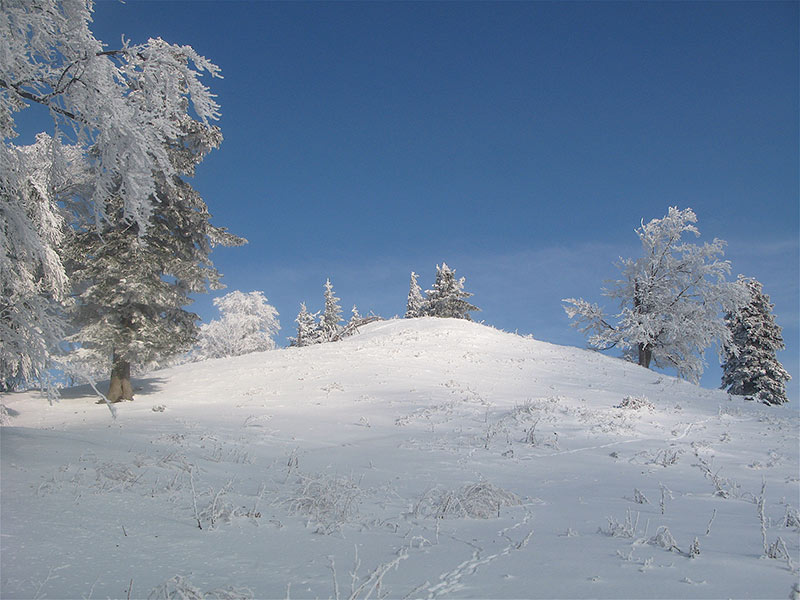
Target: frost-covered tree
[125, 107]
[447, 299]
[308, 331]
[247, 324]
[127, 112]
[671, 299]
[332, 315]
[415, 305]
[130, 285]
[33, 283]
[751, 367]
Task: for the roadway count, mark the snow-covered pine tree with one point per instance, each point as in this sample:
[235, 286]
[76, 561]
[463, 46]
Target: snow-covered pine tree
[671, 299]
[355, 317]
[247, 325]
[447, 299]
[332, 315]
[308, 331]
[751, 367]
[415, 305]
[130, 284]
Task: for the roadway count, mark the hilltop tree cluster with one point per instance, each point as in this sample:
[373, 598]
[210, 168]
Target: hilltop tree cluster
[447, 298]
[319, 328]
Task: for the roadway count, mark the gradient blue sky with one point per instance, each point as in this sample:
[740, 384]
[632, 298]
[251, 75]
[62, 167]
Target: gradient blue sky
[519, 142]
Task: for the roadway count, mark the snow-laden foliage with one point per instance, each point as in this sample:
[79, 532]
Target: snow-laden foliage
[332, 315]
[671, 299]
[130, 285]
[138, 117]
[248, 324]
[127, 105]
[447, 299]
[33, 283]
[751, 366]
[480, 500]
[328, 328]
[308, 332]
[415, 305]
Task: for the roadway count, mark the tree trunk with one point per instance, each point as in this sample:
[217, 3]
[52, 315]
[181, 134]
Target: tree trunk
[645, 355]
[120, 388]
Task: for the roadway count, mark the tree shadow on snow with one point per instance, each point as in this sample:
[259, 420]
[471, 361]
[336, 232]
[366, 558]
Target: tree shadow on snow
[141, 386]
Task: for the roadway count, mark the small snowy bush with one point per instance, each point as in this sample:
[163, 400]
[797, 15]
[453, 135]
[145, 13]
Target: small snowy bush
[624, 530]
[636, 403]
[329, 501]
[180, 588]
[480, 500]
[664, 539]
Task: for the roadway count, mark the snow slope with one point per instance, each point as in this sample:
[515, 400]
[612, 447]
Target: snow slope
[420, 458]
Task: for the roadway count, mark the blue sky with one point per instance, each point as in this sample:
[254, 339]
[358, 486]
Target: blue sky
[521, 143]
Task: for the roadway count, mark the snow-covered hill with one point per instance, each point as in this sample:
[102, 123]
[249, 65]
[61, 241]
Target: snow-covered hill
[420, 458]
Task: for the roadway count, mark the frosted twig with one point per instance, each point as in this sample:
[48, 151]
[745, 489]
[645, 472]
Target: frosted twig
[713, 514]
[194, 499]
[332, 567]
[761, 517]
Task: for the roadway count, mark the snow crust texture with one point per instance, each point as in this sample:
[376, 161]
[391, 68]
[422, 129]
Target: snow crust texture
[421, 458]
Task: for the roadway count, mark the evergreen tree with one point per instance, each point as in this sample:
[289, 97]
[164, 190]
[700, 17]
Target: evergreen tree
[130, 284]
[332, 315]
[308, 332]
[751, 366]
[447, 298]
[355, 316]
[415, 306]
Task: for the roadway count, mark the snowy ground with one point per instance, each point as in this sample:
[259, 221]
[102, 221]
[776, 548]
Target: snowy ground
[421, 458]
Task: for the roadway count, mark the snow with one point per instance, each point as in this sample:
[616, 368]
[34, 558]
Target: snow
[323, 471]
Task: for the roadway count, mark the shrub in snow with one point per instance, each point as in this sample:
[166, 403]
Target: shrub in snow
[694, 549]
[792, 518]
[627, 529]
[180, 588]
[247, 325]
[635, 403]
[664, 539]
[751, 367]
[326, 500]
[670, 299]
[480, 500]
